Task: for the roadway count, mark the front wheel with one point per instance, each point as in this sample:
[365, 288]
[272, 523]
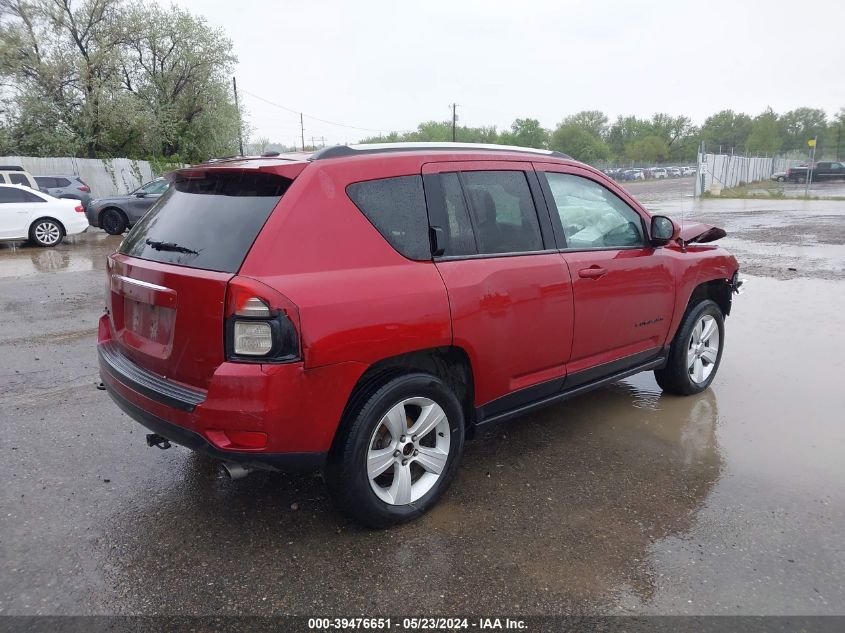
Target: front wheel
[398, 453]
[696, 352]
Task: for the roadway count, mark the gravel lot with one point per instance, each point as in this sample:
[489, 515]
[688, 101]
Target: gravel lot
[623, 501]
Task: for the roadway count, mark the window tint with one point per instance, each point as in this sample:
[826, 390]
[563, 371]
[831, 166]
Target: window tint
[592, 216]
[45, 182]
[62, 182]
[502, 210]
[13, 194]
[216, 217]
[461, 240]
[18, 179]
[396, 207]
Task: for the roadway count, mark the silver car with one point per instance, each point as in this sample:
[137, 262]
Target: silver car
[64, 186]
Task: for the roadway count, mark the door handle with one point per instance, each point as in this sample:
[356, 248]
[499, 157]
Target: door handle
[593, 272]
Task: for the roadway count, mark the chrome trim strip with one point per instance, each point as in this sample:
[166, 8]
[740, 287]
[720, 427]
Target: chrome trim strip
[138, 282]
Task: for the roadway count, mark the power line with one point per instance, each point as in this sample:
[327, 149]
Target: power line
[283, 107]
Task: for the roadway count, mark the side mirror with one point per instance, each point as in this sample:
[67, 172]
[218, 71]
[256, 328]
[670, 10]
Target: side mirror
[663, 230]
[141, 194]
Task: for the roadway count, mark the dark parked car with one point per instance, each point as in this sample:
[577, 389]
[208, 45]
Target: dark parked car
[365, 309]
[817, 172]
[117, 213]
[67, 187]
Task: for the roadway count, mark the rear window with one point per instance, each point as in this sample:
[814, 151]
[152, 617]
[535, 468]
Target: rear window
[209, 222]
[396, 207]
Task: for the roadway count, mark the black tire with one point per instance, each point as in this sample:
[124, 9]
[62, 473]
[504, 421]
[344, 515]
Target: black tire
[675, 377]
[113, 221]
[46, 232]
[346, 472]
[781, 179]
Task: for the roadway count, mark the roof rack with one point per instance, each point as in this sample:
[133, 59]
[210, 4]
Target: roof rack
[338, 151]
[11, 168]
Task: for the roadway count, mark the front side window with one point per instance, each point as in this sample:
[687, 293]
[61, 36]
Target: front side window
[502, 209]
[593, 216]
[461, 238]
[396, 208]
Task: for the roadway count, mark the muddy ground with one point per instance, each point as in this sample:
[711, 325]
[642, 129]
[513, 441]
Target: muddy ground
[620, 501]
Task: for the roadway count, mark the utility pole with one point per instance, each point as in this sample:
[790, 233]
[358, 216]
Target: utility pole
[237, 107]
[302, 129]
[454, 122]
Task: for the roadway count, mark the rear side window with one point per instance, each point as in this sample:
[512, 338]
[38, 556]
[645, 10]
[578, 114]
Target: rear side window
[62, 182]
[396, 208]
[208, 222]
[503, 212]
[19, 179]
[46, 181]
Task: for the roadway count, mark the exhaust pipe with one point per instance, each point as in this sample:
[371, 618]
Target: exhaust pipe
[235, 471]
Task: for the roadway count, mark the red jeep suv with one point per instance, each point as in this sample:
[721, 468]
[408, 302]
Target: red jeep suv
[364, 309]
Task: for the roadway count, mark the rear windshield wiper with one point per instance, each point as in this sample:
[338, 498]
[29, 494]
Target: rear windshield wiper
[169, 246]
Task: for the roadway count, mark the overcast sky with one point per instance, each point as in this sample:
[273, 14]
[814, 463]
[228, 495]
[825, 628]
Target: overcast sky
[387, 65]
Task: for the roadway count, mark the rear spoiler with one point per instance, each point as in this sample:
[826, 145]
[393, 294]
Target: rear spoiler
[286, 170]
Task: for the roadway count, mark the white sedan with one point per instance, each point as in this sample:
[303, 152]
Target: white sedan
[26, 214]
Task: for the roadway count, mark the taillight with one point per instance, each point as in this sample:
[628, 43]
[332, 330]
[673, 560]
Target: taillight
[85, 189]
[78, 208]
[261, 324]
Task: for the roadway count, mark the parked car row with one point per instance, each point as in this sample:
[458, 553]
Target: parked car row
[650, 173]
[35, 208]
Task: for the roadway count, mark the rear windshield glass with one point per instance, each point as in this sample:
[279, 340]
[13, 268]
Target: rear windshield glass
[209, 222]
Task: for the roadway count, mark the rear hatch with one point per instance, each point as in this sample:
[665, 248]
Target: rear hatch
[167, 283]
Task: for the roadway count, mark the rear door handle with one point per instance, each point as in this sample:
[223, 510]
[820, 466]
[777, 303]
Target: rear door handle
[593, 272]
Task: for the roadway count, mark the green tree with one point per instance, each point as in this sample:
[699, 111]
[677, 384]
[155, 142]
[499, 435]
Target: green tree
[765, 135]
[526, 133]
[648, 149]
[624, 131]
[64, 58]
[593, 121]
[800, 125]
[178, 68]
[104, 78]
[726, 131]
[578, 142]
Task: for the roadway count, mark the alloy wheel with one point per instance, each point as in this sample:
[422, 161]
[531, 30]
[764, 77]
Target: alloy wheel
[408, 451]
[703, 349]
[47, 233]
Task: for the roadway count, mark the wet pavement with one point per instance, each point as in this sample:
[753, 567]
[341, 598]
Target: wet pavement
[620, 501]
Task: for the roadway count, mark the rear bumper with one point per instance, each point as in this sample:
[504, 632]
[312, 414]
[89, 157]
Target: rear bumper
[287, 462]
[74, 228]
[273, 416]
